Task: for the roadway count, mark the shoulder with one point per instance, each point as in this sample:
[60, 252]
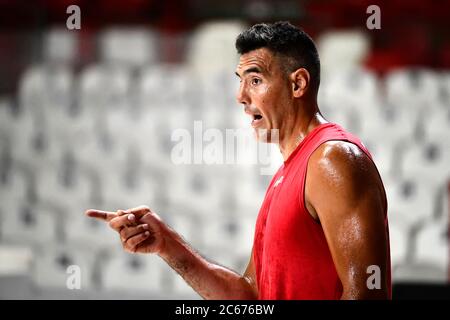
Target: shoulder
[341, 169]
[340, 157]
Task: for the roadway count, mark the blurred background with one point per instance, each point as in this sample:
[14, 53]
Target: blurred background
[86, 118]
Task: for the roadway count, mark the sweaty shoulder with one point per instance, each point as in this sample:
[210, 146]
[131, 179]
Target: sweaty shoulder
[339, 169]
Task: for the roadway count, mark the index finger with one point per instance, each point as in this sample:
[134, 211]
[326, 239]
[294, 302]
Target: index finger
[99, 214]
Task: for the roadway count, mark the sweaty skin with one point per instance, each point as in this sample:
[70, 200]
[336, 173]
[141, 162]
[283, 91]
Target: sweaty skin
[343, 192]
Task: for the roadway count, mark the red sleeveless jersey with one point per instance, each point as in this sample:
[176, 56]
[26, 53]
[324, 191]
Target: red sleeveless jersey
[291, 255]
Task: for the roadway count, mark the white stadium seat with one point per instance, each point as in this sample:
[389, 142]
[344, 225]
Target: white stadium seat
[56, 264]
[15, 260]
[32, 143]
[432, 245]
[133, 47]
[412, 88]
[212, 46]
[398, 236]
[7, 118]
[104, 87]
[355, 88]
[183, 290]
[428, 161]
[60, 46]
[187, 224]
[83, 231]
[389, 125]
[44, 89]
[342, 50]
[128, 188]
[136, 273]
[234, 233]
[249, 190]
[420, 273]
[220, 231]
[23, 223]
[75, 126]
[163, 86]
[445, 87]
[409, 202]
[437, 127]
[383, 156]
[64, 180]
[199, 188]
[14, 184]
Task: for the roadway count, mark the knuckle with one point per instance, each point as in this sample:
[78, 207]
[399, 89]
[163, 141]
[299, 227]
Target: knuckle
[129, 245]
[131, 242]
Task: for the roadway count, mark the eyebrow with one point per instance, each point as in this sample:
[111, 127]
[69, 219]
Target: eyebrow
[250, 70]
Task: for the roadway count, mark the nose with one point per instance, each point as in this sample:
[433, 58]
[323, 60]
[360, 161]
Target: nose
[242, 96]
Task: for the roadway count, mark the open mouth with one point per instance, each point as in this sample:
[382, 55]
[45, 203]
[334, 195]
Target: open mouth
[256, 117]
[257, 120]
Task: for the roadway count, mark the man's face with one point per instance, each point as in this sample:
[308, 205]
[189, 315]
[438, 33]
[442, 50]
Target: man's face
[264, 91]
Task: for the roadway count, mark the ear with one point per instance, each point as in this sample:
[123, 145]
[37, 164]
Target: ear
[300, 82]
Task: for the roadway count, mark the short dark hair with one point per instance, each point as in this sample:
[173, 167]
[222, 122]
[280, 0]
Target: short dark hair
[286, 40]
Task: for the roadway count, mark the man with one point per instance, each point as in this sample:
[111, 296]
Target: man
[322, 229]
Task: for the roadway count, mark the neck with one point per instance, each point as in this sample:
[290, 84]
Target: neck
[302, 124]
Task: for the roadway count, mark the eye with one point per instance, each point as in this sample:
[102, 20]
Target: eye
[256, 81]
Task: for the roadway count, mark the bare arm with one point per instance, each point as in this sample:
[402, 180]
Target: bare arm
[209, 280]
[344, 192]
[143, 231]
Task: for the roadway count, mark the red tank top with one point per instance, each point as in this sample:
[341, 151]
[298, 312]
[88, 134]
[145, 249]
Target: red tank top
[291, 255]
